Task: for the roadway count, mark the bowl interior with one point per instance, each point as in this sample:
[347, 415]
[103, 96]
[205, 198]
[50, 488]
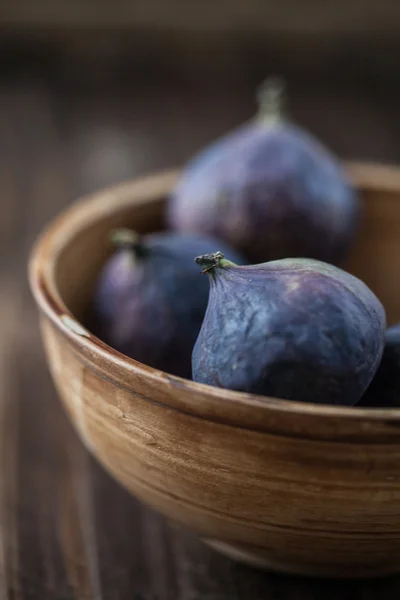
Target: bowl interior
[375, 257]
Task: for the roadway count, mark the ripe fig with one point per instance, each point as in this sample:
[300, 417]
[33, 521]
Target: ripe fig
[149, 300]
[269, 189]
[296, 329]
[384, 390]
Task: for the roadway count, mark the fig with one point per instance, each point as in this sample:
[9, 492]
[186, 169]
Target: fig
[269, 189]
[149, 300]
[384, 390]
[296, 329]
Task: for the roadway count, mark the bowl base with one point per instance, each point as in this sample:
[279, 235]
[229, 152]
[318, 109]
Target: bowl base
[261, 559]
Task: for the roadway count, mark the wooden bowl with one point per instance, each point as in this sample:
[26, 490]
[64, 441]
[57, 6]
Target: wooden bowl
[289, 486]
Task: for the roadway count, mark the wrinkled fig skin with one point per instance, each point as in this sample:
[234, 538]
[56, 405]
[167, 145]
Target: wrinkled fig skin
[384, 391]
[295, 329]
[150, 300]
[270, 190]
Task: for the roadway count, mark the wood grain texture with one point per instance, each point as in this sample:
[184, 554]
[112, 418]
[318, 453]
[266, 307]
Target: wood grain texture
[217, 15]
[57, 142]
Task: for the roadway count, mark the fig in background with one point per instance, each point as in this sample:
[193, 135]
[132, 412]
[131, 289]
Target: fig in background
[269, 189]
[296, 329]
[150, 301]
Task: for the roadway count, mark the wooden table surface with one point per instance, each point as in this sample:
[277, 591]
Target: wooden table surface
[66, 529]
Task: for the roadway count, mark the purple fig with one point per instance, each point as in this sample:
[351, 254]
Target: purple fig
[269, 189]
[296, 329]
[384, 390]
[150, 301]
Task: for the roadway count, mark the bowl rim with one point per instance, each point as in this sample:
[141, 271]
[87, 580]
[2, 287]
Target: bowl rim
[210, 400]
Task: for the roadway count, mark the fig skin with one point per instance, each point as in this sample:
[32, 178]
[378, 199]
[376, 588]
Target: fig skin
[384, 390]
[296, 329]
[149, 301]
[269, 189]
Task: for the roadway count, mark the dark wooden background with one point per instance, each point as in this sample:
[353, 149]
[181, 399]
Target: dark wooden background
[80, 115]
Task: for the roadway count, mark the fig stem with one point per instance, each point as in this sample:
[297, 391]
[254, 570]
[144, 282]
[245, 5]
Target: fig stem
[210, 261]
[128, 239]
[271, 98]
